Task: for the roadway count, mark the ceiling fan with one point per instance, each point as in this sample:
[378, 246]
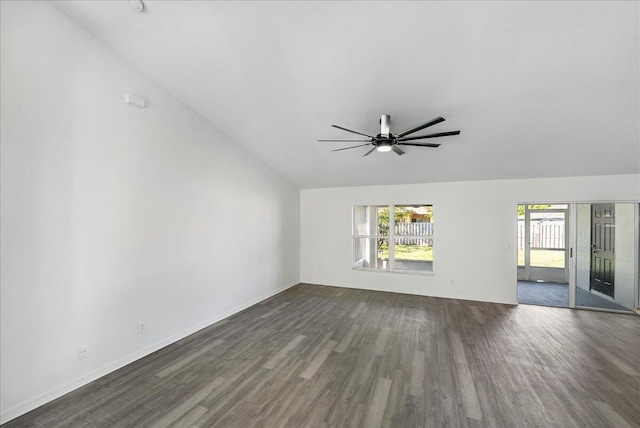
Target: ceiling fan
[385, 141]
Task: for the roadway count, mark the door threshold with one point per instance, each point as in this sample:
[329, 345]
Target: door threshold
[614, 311]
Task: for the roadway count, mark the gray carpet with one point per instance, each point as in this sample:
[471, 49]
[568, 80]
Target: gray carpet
[557, 295]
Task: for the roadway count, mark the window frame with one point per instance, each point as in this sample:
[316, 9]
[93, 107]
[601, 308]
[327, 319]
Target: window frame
[390, 238]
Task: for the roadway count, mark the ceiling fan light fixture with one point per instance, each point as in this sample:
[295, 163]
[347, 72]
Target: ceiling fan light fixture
[383, 146]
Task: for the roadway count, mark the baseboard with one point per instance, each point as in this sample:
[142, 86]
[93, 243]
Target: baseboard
[40, 399]
[416, 293]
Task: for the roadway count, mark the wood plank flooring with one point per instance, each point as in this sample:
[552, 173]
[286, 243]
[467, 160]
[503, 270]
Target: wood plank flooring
[316, 356]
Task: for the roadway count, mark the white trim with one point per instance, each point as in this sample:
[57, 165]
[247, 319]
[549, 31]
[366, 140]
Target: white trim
[527, 243]
[50, 395]
[392, 238]
[637, 258]
[573, 259]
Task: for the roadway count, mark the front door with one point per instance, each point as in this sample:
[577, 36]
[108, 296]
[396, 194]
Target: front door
[602, 248]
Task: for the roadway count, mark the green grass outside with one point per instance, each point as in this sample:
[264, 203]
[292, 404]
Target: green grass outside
[409, 252]
[543, 258]
[539, 258]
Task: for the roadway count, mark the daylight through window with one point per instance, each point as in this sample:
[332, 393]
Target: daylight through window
[393, 238]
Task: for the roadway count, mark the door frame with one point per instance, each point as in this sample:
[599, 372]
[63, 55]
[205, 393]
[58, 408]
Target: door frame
[573, 260]
[529, 273]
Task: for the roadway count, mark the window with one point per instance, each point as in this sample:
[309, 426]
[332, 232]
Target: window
[393, 238]
[541, 237]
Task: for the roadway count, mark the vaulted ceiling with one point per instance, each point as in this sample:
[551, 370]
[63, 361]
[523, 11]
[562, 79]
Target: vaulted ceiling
[538, 89]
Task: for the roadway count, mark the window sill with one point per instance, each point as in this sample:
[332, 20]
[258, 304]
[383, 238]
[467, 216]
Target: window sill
[401, 272]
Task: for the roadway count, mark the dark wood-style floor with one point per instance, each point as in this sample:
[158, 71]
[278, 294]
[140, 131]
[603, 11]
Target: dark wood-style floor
[322, 356]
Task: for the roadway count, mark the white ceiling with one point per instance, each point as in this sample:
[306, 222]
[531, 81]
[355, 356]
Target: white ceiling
[538, 89]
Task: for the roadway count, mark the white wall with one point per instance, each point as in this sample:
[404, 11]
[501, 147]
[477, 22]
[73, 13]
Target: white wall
[625, 255]
[475, 231]
[112, 215]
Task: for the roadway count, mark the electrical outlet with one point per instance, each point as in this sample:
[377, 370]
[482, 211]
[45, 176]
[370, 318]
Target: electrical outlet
[83, 352]
[142, 327]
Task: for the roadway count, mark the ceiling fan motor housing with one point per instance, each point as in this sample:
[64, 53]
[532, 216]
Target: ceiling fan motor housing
[381, 141]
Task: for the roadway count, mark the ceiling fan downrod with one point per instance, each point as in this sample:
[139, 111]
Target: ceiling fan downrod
[385, 122]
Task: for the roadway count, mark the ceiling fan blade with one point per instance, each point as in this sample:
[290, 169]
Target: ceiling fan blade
[352, 147]
[369, 152]
[438, 134]
[397, 149]
[343, 141]
[349, 130]
[420, 145]
[419, 127]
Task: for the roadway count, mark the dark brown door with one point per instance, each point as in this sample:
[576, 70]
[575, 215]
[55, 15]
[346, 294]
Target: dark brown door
[602, 248]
